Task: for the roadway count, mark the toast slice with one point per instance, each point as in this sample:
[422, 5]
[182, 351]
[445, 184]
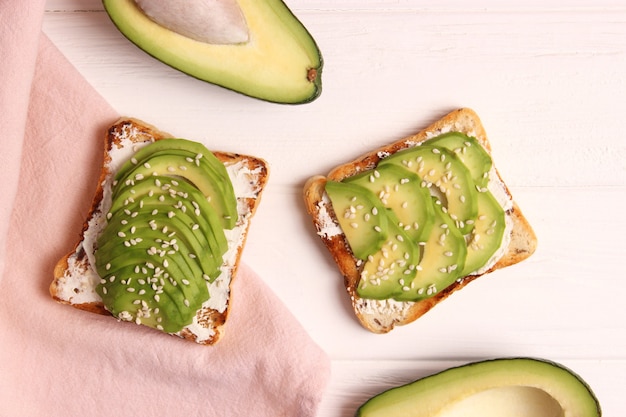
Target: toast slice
[381, 315]
[75, 276]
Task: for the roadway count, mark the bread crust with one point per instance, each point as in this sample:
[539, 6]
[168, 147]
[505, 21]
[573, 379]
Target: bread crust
[381, 316]
[73, 273]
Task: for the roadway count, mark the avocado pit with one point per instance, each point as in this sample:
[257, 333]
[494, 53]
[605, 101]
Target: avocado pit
[218, 22]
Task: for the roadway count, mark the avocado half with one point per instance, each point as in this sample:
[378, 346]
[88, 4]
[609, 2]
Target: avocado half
[280, 61]
[521, 387]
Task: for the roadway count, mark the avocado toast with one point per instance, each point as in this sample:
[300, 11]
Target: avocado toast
[164, 236]
[412, 222]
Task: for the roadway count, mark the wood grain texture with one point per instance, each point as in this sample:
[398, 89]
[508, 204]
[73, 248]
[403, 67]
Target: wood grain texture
[547, 80]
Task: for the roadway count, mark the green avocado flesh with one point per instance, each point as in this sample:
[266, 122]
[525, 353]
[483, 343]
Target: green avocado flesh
[280, 61]
[390, 270]
[521, 387]
[436, 220]
[442, 262]
[361, 217]
[195, 164]
[446, 175]
[401, 191]
[469, 151]
[164, 239]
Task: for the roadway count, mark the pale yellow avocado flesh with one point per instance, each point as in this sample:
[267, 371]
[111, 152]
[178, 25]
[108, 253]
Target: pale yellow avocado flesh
[280, 63]
[516, 387]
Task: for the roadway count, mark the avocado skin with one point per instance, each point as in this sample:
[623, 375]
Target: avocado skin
[454, 382]
[235, 67]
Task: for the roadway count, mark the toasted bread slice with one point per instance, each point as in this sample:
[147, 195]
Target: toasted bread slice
[75, 278]
[380, 316]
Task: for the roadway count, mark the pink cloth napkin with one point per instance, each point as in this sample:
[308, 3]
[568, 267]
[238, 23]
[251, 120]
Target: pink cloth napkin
[59, 361]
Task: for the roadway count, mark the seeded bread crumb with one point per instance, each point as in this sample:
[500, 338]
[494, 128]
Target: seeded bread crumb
[74, 278]
[381, 316]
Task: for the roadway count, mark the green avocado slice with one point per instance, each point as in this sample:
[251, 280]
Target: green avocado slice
[279, 63]
[443, 259]
[361, 216]
[523, 387]
[403, 192]
[469, 151]
[392, 269]
[486, 237]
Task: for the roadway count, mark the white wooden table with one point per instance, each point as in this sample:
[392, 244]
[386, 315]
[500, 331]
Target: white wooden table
[548, 79]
